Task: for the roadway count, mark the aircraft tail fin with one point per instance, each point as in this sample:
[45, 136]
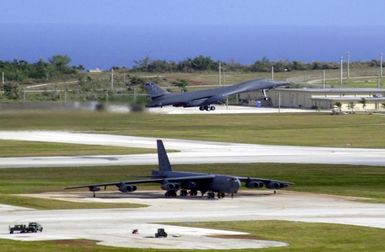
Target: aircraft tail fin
[154, 90]
[164, 163]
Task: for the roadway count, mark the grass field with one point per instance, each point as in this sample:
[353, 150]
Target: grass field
[357, 83]
[302, 237]
[9, 148]
[359, 130]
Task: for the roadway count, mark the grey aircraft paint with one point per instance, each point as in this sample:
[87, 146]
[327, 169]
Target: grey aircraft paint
[204, 98]
[189, 183]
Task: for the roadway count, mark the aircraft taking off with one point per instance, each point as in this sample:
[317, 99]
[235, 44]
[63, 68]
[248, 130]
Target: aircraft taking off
[205, 98]
[189, 183]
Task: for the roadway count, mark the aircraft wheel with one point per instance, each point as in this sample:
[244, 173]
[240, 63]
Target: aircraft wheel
[201, 108]
[183, 193]
[210, 195]
[221, 195]
[207, 108]
[212, 108]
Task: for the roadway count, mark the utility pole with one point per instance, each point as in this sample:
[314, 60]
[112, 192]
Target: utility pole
[381, 56]
[2, 79]
[348, 63]
[219, 74]
[272, 72]
[112, 79]
[378, 79]
[342, 71]
[324, 79]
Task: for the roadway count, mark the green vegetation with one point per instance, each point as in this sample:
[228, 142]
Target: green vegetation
[48, 204]
[357, 83]
[301, 237]
[64, 82]
[288, 129]
[21, 70]
[10, 148]
[307, 236]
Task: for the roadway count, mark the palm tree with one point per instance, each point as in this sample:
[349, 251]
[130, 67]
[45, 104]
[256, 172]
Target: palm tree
[363, 102]
[351, 106]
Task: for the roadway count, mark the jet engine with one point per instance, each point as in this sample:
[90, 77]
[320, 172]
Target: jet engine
[170, 186]
[127, 188]
[254, 184]
[275, 185]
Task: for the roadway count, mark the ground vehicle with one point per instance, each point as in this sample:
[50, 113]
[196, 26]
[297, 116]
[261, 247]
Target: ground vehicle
[160, 233]
[32, 227]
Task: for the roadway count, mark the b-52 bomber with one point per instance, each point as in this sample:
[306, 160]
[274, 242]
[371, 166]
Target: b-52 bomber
[189, 183]
[204, 99]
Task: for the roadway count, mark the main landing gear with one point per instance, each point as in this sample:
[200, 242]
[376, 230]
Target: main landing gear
[207, 108]
[183, 193]
[211, 195]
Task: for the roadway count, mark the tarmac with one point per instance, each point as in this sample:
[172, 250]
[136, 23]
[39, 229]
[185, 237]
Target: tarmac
[114, 227]
[187, 152]
[223, 109]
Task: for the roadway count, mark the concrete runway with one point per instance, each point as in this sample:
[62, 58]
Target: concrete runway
[189, 152]
[113, 226]
[222, 109]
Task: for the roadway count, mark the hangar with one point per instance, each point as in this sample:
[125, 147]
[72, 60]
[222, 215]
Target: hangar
[350, 99]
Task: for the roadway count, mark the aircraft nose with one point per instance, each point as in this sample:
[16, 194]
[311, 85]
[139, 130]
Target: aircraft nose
[236, 184]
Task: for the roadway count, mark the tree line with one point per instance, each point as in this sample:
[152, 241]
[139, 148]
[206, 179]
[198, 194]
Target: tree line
[56, 66]
[205, 63]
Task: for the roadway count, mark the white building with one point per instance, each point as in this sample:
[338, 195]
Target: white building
[312, 98]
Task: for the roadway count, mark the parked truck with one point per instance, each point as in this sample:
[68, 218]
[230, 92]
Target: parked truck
[32, 227]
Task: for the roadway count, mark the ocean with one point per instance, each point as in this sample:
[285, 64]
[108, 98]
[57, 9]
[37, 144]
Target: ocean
[107, 46]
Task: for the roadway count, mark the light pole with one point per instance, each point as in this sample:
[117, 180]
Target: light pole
[348, 64]
[272, 72]
[342, 70]
[219, 74]
[381, 56]
[324, 79]
[112, 79]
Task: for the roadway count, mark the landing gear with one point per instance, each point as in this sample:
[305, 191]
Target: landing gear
[170, 194]
[207, 108]
[220, 195]
[211, 195]
[193, 193]
[183, 193]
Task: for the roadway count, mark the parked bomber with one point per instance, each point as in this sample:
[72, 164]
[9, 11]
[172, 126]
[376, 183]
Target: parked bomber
[189, 183]
[205, 98]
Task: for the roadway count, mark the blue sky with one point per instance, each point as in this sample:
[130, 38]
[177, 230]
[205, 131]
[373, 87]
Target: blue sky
[105, 33]
[195, 12]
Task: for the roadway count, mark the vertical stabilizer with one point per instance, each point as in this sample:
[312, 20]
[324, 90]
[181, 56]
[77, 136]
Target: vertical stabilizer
[164, 163]
[154, 90]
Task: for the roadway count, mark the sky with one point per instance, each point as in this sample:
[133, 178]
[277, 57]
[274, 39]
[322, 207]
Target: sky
[116, 32]
[195, 12]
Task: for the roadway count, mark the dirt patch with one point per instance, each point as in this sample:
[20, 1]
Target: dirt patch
[75, 242]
